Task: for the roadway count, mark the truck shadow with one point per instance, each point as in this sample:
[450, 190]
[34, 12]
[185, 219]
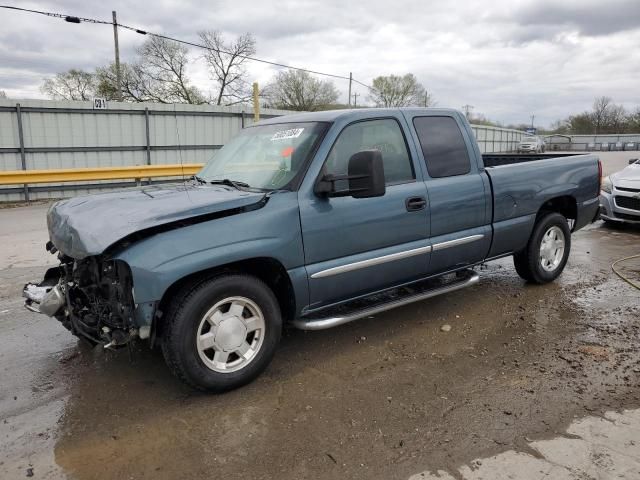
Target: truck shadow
[123, 408]
[399, 370]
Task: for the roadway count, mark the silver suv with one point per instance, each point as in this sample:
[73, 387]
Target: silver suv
[531, 145]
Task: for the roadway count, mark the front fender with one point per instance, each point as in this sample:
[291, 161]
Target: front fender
[157, 262]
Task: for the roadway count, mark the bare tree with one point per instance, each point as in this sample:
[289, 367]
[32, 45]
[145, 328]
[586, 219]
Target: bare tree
[134, 88]
[3, 94]
[398, 91]
[298, 90]
[70, 85]
[633, 121]
[601, 108]
[226, 63]
[617, 119]
[162, 72]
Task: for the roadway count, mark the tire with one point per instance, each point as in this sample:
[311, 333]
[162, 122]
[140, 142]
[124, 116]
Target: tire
[531, 265]
[222, 333]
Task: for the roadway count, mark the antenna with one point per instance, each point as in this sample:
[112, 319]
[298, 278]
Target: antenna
[184, 181]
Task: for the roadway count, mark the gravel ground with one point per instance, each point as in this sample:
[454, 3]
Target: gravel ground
[387, 397]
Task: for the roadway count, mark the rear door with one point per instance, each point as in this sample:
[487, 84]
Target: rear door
[357, 245]
[458, 191]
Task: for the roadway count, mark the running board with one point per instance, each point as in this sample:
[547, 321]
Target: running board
[390, 299]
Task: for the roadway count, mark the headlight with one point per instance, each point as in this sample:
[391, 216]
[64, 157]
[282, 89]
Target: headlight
[606, 185]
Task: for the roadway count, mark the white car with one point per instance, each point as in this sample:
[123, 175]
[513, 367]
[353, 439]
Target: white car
[531, 145]
[620, 195]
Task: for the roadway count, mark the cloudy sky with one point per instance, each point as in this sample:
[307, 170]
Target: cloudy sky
[508, 58]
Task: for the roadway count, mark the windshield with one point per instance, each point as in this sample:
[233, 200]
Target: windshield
[267, 156]
[529, 140]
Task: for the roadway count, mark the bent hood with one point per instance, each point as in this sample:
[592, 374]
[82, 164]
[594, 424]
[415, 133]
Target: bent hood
[628, 177]
[85, 226]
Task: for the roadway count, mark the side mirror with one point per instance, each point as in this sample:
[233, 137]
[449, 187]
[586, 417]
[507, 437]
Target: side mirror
[632, 161]
[365, 177]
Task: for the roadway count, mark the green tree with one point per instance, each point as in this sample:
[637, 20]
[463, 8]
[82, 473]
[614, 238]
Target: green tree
[73, 84]
[298, 90]
[158, 74]
[399, 91]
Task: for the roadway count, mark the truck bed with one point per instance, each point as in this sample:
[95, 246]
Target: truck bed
[522, 183]
[497, 159]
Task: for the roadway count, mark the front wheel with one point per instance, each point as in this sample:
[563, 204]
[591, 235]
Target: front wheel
[547, 251]
[222, 333]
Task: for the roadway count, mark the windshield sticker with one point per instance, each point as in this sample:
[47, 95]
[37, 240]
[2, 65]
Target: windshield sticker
[285, 134]
[286, 152]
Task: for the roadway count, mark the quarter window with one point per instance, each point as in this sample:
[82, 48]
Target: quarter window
[443, 147]
[384, 135]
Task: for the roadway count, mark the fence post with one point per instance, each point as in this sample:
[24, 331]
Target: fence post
[23, 157]
[242, 118]
[146, 126]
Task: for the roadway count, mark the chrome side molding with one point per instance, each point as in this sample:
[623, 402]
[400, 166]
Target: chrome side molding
[324, 323]
[371, 262]
[456, 242]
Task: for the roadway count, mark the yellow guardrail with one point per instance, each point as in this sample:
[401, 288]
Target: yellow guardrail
[19, 177]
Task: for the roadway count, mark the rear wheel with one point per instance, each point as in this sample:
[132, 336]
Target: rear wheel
[222, 333]
[547, 251]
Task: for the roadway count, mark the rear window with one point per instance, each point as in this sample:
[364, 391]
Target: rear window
[443, 147]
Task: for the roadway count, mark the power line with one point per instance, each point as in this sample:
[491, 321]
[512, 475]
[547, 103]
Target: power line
[75, 19]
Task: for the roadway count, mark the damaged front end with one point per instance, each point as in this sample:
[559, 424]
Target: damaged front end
[92, 297]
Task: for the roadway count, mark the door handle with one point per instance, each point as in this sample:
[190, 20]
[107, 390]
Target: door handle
[414, 204]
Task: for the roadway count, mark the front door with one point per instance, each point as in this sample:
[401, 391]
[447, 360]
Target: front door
[353, 246]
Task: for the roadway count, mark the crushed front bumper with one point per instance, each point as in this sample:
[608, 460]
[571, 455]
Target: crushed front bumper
[45, 297]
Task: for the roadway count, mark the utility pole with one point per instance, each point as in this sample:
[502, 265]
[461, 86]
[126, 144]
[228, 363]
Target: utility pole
[256, 102]
[350, 81]
[118, 74]
[532, 117]
[355, 99]
[467, 110]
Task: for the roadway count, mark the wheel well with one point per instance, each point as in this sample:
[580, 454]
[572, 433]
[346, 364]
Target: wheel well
[269, 270]
[565, 205]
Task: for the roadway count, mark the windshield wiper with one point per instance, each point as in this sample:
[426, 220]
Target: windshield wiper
[199, 179]
[232, 183]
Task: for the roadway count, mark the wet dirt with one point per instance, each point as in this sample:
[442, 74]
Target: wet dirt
[384, 397]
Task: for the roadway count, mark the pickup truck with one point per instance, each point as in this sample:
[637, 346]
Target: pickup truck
[308, 220]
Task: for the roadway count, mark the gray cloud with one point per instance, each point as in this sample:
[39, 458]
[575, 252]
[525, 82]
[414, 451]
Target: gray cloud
[588, 18]
[542, 57]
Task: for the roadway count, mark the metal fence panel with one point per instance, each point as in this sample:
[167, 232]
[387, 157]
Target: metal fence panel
[66, 134]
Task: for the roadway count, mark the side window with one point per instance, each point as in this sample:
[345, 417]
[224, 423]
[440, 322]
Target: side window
[384, 135]
[443, 147]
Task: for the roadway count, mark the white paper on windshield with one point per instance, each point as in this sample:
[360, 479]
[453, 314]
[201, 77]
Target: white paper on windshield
[285, 134]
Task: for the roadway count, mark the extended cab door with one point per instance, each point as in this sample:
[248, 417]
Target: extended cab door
[353, 246]
[458, 191]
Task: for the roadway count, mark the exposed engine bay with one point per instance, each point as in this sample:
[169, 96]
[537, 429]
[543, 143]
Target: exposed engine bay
[92, 297]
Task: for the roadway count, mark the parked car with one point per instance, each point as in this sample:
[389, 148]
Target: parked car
[620, 195]
[531, 145]
[311, 220]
